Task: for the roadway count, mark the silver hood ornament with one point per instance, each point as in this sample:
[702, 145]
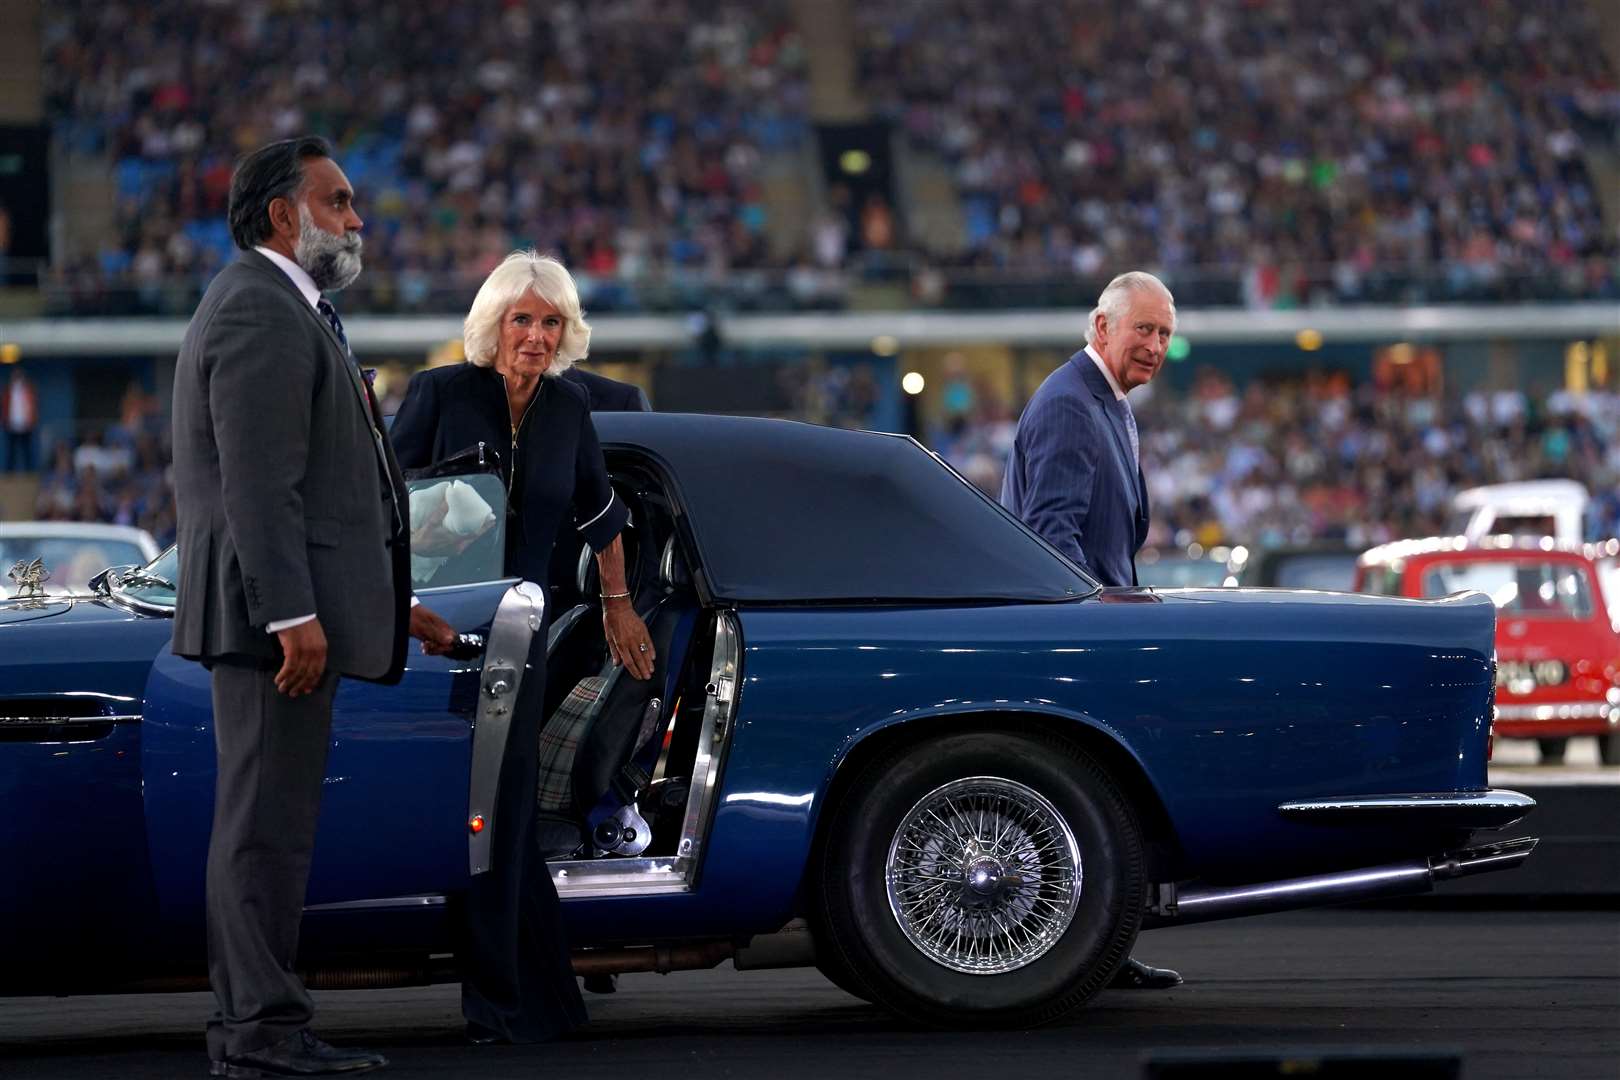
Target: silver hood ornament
[30, 578]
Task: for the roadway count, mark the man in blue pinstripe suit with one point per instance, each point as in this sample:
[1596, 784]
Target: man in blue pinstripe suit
[1075, 475]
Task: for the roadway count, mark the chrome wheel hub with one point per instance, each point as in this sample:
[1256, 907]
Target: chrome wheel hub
[983, 875]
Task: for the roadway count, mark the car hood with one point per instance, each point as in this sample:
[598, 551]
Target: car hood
[76, 609]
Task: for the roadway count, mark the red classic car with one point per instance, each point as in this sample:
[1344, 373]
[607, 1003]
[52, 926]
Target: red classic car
[1557, 650]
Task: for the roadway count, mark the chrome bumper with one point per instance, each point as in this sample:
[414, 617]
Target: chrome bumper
[1573, 710]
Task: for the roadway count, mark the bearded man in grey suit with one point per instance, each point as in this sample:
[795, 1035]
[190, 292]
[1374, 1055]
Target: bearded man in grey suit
[294, 570]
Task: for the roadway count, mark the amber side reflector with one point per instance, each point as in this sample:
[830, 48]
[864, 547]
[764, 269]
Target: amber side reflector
[476, 825]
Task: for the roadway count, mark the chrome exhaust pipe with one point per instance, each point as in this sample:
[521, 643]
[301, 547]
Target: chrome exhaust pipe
[1178, 906]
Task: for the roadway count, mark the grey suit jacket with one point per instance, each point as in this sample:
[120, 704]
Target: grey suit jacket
[288, 500]
[1071, 477]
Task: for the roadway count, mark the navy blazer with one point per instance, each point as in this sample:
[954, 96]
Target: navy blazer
[1071, 478]
[608, 395]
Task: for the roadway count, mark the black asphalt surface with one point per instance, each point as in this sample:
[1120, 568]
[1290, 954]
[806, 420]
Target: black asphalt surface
[1519, 994]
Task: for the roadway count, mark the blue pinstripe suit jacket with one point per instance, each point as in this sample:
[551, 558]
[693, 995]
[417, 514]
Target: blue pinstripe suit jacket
[1071, 478]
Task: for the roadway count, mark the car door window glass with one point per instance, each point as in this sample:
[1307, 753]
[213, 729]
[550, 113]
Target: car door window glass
[458, 530]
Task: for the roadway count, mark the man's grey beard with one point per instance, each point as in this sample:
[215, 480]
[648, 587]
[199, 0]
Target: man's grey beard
[333, 262]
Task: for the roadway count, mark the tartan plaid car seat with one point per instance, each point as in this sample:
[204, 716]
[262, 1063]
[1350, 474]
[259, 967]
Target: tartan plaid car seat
[591, 737]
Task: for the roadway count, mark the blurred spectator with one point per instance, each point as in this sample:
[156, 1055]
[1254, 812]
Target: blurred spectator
[19, 411]
[124, 481]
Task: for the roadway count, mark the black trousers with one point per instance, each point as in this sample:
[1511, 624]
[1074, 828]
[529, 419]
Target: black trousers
[517, 977]
[271, 752]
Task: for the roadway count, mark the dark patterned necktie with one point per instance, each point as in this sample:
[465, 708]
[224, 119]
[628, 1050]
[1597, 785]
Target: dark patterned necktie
[1130, 429]
[324, 306]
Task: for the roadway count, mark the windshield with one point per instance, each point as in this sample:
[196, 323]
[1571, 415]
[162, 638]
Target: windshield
[458, 536]
[71, 561]
[1548, 589]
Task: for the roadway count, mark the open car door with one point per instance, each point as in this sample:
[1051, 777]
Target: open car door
[407, 805]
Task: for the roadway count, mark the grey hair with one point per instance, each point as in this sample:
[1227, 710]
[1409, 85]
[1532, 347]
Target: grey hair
[521, 273]
[1116, 299]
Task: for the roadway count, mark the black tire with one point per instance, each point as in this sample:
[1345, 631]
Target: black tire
[1552, 750]
[1609, 748]
[863, 934]
[841, 976]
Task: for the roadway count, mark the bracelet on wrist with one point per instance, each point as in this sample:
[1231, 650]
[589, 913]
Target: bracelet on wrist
[614, 595]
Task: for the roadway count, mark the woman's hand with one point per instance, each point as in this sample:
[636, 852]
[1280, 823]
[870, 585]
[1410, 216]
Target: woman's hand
[627, 638]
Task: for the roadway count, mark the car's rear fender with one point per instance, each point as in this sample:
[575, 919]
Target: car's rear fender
[1221, 711]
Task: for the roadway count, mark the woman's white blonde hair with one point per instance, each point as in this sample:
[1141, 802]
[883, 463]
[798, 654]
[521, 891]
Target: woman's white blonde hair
[526, 273]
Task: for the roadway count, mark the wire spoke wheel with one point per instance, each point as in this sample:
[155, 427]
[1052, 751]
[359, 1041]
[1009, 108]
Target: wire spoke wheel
[984, 875]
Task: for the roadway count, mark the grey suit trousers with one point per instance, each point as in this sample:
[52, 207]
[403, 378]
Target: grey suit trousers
[271, 751]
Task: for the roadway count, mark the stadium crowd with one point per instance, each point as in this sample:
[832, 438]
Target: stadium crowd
[1317, 458]
[1380, 150]
[118, 474]
[623, 135]
[1269, 154]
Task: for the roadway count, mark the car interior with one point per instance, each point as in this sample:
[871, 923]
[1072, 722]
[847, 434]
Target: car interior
[617, 754]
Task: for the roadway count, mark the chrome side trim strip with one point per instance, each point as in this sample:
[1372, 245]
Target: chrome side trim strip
[580, 878]
[506, 657]
[1493, 808]
[1445, 800]
[70, 721]
[388, 903]
[1575, 710]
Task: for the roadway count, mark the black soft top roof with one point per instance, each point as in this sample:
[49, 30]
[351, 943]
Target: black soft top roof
[783, 511]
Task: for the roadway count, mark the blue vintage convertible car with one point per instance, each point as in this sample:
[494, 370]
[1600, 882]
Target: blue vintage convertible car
[892, 734]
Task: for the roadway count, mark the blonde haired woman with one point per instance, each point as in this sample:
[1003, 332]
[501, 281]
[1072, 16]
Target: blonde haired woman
[525, 328]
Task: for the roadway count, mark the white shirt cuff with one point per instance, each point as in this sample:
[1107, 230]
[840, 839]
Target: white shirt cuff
[415, 600]
[286, 624]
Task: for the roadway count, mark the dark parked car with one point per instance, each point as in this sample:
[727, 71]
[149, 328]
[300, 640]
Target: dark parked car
[1190, 567]
[1300, 566]
[892, 733]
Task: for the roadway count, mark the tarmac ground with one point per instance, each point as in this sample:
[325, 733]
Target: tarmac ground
[1515, 994]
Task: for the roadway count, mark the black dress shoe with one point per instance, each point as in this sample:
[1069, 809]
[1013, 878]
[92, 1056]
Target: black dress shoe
[479, 1035]
[1136, 975]
[299, 1054]
[602, 984]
